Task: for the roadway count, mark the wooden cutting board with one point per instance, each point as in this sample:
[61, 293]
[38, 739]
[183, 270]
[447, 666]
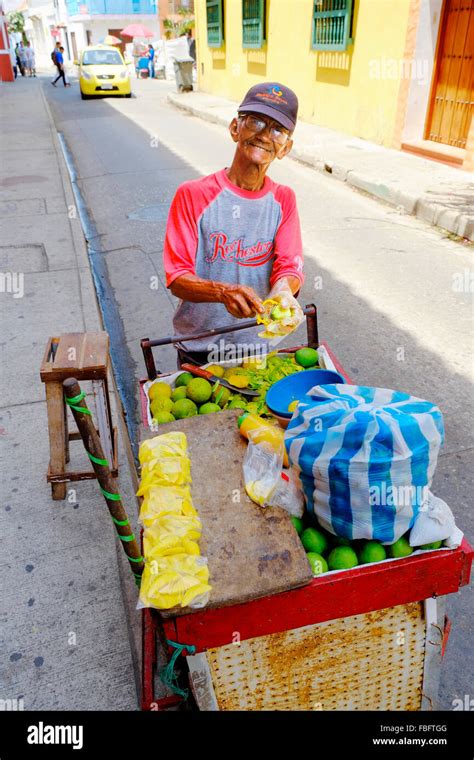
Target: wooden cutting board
[252, 551]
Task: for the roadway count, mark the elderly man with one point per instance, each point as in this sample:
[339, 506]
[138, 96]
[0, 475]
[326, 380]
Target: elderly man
[233, 238]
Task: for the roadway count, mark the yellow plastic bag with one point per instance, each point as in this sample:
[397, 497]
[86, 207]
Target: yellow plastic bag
[167, 445]
[180, 526]
[175, 581]
[174, 471]
[164, 500]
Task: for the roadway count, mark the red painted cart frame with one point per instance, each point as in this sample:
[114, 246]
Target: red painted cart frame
[328, 597]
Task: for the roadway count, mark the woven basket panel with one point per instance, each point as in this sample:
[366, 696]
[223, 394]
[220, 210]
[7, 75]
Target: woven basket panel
[372, 661]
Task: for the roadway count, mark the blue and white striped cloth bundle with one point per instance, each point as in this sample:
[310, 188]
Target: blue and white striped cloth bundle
[365, 457]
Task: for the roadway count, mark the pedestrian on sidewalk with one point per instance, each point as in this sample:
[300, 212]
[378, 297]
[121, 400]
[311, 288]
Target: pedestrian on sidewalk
[191, 44]
[151, 61]
[30, 59]
[61, 69]
[233, 238]
[13, 61]
[21, 57]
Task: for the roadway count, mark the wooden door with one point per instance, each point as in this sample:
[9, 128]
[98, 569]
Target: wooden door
[452, 91]
[74, 46]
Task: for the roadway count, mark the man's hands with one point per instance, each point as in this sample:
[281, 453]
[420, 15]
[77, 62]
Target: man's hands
[240, 301]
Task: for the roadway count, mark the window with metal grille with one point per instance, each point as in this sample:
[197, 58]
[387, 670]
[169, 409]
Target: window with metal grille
[332, 24]
[253, 23]
[215, 22]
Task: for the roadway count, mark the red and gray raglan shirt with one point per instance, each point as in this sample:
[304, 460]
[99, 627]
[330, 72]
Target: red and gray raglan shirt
[220, 232]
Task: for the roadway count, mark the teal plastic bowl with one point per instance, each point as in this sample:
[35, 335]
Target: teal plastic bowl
[294, 387]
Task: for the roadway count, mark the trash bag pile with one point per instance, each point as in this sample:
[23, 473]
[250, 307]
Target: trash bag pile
[175, 574]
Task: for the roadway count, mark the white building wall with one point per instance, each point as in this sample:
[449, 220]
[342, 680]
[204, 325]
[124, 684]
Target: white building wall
[418, 97]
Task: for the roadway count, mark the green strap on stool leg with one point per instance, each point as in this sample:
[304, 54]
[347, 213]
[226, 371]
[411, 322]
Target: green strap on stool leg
[75, 400]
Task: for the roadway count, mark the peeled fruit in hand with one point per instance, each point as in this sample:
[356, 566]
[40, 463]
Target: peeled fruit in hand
[314, 541]
[183, 379]
[372, 551]
[184, 408]
[209, 407]
[159, 390]
[278, 312]
[317, 562]
[162, 417]
[342, 557]
[400, 548]
[199, 390]
[178, 393]
[306, 357]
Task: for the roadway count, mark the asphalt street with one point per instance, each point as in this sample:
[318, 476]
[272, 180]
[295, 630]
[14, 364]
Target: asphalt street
[393, 293]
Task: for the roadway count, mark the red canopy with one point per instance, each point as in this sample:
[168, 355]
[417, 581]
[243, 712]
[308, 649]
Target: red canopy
[137, 30]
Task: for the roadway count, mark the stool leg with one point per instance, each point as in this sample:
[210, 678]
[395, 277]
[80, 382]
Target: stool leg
[57, 437]
[66, 433]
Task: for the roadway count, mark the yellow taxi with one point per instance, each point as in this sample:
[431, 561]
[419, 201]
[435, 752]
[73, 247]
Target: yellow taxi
[102, 71]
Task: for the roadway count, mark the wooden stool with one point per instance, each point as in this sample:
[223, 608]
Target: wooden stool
[84, 356]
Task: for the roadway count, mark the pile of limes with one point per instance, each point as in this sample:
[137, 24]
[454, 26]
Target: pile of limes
[190, 396]
[328, 552]
[195, 395]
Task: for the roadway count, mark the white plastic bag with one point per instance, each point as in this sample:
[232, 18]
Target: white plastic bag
[262, 467]
[288, 494]
[435, 522]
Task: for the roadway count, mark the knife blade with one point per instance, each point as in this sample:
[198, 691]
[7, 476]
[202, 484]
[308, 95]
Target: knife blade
[201, 372]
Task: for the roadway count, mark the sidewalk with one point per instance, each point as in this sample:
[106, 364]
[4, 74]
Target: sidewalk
[438, 194]
[66, 641]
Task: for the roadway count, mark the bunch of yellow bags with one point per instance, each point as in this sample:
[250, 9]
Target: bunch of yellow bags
[175, 574]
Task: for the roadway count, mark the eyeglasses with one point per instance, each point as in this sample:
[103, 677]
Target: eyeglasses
[256, 124]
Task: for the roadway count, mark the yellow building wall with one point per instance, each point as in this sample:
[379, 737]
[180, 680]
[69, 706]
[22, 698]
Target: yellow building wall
[354, 91]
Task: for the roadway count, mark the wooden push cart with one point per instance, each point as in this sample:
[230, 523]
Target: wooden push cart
[273, 637]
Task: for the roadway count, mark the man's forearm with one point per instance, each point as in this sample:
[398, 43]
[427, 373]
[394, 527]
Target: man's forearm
[189, 287]
[293, 282]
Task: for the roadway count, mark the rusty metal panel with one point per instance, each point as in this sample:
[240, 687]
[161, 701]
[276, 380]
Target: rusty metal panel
[372, 661]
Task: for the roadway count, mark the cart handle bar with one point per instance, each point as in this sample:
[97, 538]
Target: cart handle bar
[310, 311]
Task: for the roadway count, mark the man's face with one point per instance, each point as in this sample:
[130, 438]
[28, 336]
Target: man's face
[260, 146]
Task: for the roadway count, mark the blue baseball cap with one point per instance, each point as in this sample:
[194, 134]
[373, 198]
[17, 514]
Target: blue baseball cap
[274, 100]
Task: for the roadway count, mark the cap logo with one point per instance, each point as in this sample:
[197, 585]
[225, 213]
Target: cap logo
[272, 92]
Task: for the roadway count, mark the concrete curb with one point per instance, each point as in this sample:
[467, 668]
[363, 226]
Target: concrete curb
[444, 217]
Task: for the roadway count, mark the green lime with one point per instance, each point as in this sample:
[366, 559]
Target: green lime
[184, 408]
[314, 541]
[279, 313]
[317, 562]
[183, 379]
[179, 392]
[372, 551]
[221, 395]
[306, 357]
[161, 404]
[400, 548]
[159, 390]
[297, 524]
[434, 545]
[209, 407]
[199, 390]
[342, 557]
[162, 417]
